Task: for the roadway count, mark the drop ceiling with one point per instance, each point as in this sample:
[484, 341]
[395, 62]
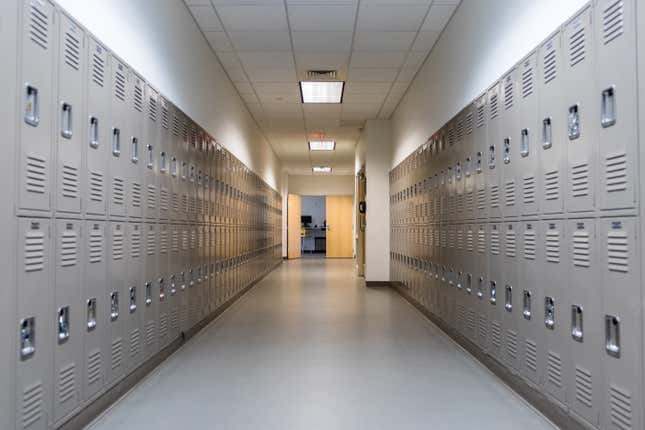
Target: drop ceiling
[267, 46]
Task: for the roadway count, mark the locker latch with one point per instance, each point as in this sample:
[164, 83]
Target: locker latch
[460, 280]
[507, 150]
[612, 335]
[526, 312]
[94, 132]
[133, 299]
[162, 162]
[491, 157]
[134, 151]
[63, 324]
[480, 287]
[148, 293]
[116, 142]
[27, 337]
[468, 168]
[32, 107]
[162, 290]
[573, 122]
[173, 167]
[182, 275]
[478, 163]
[173, 286]
[114, 305]
[524, 142]
[66, 120]
[91, 314]
[547, 135]
[469, 283]
[608, 107]
[508, 298]
[149, 157]
[576, 323]
[492, 293]
[549, 312]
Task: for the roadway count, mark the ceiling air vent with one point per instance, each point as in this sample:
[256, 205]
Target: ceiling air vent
[321, 75]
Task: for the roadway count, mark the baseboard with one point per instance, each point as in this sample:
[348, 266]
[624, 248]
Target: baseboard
[377, 284]
[535, 398]
[92, 410]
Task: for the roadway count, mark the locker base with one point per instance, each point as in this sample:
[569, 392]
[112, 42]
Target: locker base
[553, 412]
[91, 411]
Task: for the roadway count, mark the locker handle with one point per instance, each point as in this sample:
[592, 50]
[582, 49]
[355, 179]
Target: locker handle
[546, 133]
[114, 305]
[491, 157]
[133, 300]
[480, 288]
[116, 142]
[576, 323]
[91, 314]
[66, 120]
[162, 290]
[573, 122]
[94, 132]
[173, 287]
[150, 157]
[549, 312]
[507, 150]
[508, 298]
[526, 312]
[32, 105]
[63, 324]
[162, 162]
[134, 141]
[27, 338]
[469, 283]
[493, 293]
[148, 293]
[608, 107]
[524, 142]
[612, 335]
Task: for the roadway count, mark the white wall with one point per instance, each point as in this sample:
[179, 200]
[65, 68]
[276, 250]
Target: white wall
[482, 41]
[161, 41]
[321, 185]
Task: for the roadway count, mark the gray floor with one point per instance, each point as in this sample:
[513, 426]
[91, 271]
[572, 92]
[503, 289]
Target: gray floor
[311, 348]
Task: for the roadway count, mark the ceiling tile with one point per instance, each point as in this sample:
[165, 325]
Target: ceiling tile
[383, 40]
[276, 87]
[322, 17]
[390, 18]
[438, 17]
[406, 75]
[364, 108]
[363, 98]
[244, 88]
[425, 41]
[415, 59]
[206, 18]
[387, 110]
[253, 18]
[393, 98]
[322, 60]
[367, 88]
[322, 41]
[229, 59]
[272, 74]
[197, 2]
[377, 59]
[218, 40]
[250, 98]
[245, 2]
[236, 74]
[282, 97]
[399, 88]
[372, 75]
[397, 2]
[260, 59]
[260, 40]
[322, 111]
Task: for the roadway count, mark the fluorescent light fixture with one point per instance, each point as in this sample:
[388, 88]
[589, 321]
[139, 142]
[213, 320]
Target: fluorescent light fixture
[322, 145]
[322, 91]
[321, 169]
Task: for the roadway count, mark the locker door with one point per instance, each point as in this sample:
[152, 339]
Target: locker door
[480, 147]
[175, 164]
[467, 163]
[141, 155]
[622, 313]
[508, 297]
[97, 130]
[174, 264]
[495, 284]
[480, 286]
[94, 306]
[615, 44]
[526, 135]
[35, 327]
[151, 283]
[553, 125]
[583, 110]
[469, 281]
[183, 278]
[117, 305]
[585, 330]
[68, 344]
[163, 293]
[70, 112]
[153, 149]
[508, 153]
[38, 47]
[493, 152]
[555, 310]
[165, 152]
[119, 139]
[134, 296]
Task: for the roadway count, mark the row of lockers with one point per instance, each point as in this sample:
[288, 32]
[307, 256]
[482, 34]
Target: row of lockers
[126, 223]
[555, 135]
[518, 223]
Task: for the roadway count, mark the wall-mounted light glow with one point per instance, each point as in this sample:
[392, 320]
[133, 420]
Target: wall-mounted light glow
[321, 169]
[322, 145]
[322, 91]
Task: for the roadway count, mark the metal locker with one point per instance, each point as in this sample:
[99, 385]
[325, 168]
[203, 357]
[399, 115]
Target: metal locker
[35, 325]
[119, 138]
[183, 278]
[493, 152]
[615, 48]
[469, 279]
[173, 292]
[555, 309]
[70, 112]
[163, 285]
[480, 146]
[68, 344]
[141, 157]
[96, 130]
[508, 149]
[480, 286]
[165, 153]
[117, 305]
[94, 304]
[151, 287]
[553, 116]
[175, 163]
[508, 296]
[494, 286]
[622, 323]
[526, 135]
[583, 111]
[152, 149]
[585, 318]
[467, 163]
[133, 298]
[38, 40]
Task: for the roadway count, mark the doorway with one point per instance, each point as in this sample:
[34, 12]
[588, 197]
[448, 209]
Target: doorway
[313, 223]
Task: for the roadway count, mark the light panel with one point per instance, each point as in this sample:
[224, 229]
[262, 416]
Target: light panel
[322, 91]
[322, 145]
[321, 169]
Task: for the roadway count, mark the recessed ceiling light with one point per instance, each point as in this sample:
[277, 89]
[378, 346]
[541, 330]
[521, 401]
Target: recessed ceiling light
[322, 91]
[321, 169]
[322, 145]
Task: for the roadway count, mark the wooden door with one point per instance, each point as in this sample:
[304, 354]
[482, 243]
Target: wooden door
[293, 226]
[339, 226]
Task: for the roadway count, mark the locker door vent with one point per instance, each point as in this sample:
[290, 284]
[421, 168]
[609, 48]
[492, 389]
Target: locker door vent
[481, 117]
[451, 238]
[494, 106]
[620, 403]
[138, 98]
[96, 246]
[461, 314]
[70, 182]
[68, 249]
[96, 186]
[135, 342]
[34, 251]
[135, 244]
[136, 195]
[443, 238]
[98, 70]
[460, 239]
[184, 240]
[184, 203]
[469, 240]
[32, 405]
[510, 244]
[163, 325]
[471, 322]
[164, 117]
[117, 352]
[174, 321]
[117, 245]
[617, 251]
[552, 185]
[176, 126]
[494, 196]
[553, 246]
[94, 362]
[496, 334]
[481, 241]
[613, 22]
[163, 242]
[554, 369]
[529, 190]
[508, 93]
[118, 193]
[451, 136]
[174, 242]
[483, 331]
[616, 173]
[481, 199]
[67, 383]
[119, 85]
[527, 81]
[163, 199]
[550, 72]
[38, 26]
[531, 355]
[511, 344]
[577, 47]
[36, 174]
[152, 109]
[460, 130]
[494, 242]
[175, 202]
[581, 249]
[72, 51]
[584, 387]
[151, 196]
[509, 193]
[470, 201]
[580, 180]
[150, 243]
[469, 123]
[529, 245]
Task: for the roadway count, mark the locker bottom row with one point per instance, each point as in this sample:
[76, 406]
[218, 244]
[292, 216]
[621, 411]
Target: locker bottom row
[556, 302]
[96, 299]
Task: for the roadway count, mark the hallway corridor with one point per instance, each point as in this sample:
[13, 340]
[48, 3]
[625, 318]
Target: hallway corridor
[311, 348]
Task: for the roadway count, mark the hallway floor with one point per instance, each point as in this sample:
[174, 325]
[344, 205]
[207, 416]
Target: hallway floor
[311, 348]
